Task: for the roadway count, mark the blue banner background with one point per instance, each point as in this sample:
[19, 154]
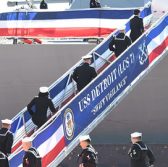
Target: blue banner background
[86, 107]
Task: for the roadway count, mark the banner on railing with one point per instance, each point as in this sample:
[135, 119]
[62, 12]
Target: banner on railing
[49, 142]
[157, 40]
[102, 92]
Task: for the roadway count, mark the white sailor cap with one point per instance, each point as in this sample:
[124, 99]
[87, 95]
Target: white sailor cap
[27, 140]
[7, 121]
[136, 134]
[84, 138]
[122, 27]
[43, 89]
[87, 57]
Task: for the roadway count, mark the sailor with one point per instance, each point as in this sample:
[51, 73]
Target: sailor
[83, 74]
[136, 26]
[31, 157]
[39, 105]
[3, 160]
[6, 137]
[120, 42]
[43, 5]
[88, 156]
[95, 4]
[140, 155]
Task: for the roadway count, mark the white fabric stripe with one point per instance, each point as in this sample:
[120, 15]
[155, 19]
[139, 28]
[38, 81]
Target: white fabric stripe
[68, 23]
[64, 23]
[49, 144]
[20, 133]
[157, 40]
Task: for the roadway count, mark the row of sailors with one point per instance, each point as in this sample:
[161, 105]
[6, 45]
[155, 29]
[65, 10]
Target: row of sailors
[140, 155]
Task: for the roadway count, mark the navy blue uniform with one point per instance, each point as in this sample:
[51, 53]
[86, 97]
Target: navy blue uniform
[32, 158]
[3, 160]
[95, 4]
[137, 28]
[43, 5]
[141, 155]
[6, 141]
[119, 43]
[40, 105]
[88, 157]
[83, 75]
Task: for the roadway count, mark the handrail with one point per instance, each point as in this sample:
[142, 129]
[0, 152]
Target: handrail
[69, 77]
[107, 61]
[20, 118]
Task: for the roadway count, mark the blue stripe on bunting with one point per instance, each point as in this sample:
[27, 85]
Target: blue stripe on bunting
[17, 159]
[146, 12]
[105, 14]
[14, 125]
[27, 116]
[59, 87]
[156, 31]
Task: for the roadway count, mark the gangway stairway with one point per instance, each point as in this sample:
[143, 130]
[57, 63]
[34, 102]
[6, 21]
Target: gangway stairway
[62, 90]
[80, 114]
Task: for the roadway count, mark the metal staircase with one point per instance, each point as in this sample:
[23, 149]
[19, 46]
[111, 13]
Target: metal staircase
[81, 113]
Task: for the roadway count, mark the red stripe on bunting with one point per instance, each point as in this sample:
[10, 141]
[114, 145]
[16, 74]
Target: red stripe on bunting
[16, 146]
[157, 51]
[55, 32]
[53, 153]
